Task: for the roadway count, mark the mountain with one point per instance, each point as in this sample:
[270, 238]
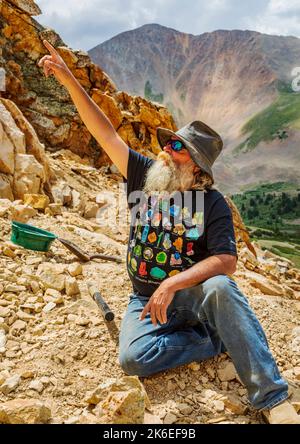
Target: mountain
[238, 82]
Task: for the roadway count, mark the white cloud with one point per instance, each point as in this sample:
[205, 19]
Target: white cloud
[86, 23]
[279, 6]
[279, 17]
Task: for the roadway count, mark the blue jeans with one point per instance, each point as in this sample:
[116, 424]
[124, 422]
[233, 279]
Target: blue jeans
[203, 321]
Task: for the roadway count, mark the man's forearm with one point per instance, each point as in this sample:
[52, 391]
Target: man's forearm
[92, 116]
[212, 266]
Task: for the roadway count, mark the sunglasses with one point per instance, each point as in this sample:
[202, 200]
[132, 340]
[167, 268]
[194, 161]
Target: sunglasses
[176, 145]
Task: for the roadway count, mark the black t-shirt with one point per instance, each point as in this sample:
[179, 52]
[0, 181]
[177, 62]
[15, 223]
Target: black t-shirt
[159, 247]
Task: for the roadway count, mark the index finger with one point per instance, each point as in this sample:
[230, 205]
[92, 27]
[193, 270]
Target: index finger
[50, 48]
[144, 312]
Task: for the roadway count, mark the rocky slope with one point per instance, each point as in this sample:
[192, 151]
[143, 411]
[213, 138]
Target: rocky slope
[47, 105]
[55, 347]
[223, 78]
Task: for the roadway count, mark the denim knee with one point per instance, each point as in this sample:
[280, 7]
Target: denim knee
[220, 290]
[131, 362]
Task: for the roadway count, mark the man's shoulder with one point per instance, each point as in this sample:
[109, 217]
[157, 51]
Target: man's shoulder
[213, 195]
[133, 154]
[216, 203]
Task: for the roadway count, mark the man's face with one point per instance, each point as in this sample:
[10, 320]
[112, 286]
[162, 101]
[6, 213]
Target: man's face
[172, 171]
[178, 157]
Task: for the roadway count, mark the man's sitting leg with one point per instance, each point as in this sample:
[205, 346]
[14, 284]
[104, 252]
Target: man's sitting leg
[146, 349]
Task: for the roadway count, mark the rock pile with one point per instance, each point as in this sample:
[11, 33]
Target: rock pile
[60, 359]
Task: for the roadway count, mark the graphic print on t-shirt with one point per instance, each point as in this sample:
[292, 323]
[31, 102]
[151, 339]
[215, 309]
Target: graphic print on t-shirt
[161, 248]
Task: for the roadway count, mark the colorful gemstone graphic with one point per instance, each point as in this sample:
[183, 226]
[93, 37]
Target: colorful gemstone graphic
[176, 259]
[139, 232]
[152, 237]
[161, 258]
[178, 244]
[153, 201]
[132, 243]
[156, 219]
[133, 264]
[148, 254]
[159, 239]
[198, 218]
[142, 269]
[167, 242]
[189, 249]
[145, 233]
[173, 273]
[189, 260]
[185, 213]
[174, 210]
[167, 224]
[158, 273]
[150, 214]
[179, 229]
[164, 205]
[137, 251]
[193, 234]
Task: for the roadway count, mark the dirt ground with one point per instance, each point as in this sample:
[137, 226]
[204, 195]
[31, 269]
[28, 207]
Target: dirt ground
[63, 354]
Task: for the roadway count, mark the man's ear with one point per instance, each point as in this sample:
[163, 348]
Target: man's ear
[196, 169]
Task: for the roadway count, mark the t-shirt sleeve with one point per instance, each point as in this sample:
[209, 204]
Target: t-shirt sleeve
[137, 168]
[220, 230]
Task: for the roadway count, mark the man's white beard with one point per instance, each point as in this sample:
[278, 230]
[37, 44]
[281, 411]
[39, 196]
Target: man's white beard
[165, 176]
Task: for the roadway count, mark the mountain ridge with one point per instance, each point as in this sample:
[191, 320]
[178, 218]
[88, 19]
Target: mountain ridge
[224, 78]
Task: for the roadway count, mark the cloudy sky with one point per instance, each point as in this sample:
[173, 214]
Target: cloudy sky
[83, 24]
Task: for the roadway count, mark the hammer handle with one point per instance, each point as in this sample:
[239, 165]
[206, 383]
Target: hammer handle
[104, 308]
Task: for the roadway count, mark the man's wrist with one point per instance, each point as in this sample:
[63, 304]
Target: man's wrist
[172, 284]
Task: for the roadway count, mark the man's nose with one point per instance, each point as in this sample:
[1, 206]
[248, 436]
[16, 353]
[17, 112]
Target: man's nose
[167, 149]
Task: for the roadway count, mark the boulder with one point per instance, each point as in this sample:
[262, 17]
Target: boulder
[24, 411]
[36, 201]
[29, 175]
[121, 401]
[15, 135]
[22, 213]
[5, 187]
[7, 153]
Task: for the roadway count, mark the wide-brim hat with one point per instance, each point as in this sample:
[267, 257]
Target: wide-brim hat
[202, 142]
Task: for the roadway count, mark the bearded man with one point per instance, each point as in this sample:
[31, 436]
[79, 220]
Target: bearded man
[185, 305]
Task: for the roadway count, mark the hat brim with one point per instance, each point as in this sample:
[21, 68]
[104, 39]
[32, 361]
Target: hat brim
[163, 136]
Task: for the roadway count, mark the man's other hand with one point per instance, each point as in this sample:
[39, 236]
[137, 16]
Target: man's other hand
[158, 303]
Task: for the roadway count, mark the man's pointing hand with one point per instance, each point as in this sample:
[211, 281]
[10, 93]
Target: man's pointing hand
[54, 64]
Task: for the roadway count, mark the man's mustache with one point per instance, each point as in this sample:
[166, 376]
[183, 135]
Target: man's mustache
[165, 157]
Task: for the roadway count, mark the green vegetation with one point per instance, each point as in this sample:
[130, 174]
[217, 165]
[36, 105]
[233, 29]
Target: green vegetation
[274, 121]
[271, 213]
[275, 186]
[150, 95]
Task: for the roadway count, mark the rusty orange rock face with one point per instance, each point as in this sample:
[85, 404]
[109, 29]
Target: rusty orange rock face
[47, 105]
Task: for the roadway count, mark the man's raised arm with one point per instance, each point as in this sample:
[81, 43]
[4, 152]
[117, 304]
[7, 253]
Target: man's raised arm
[95, 120]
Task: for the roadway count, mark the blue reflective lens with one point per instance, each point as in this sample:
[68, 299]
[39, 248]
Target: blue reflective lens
[176, 145]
